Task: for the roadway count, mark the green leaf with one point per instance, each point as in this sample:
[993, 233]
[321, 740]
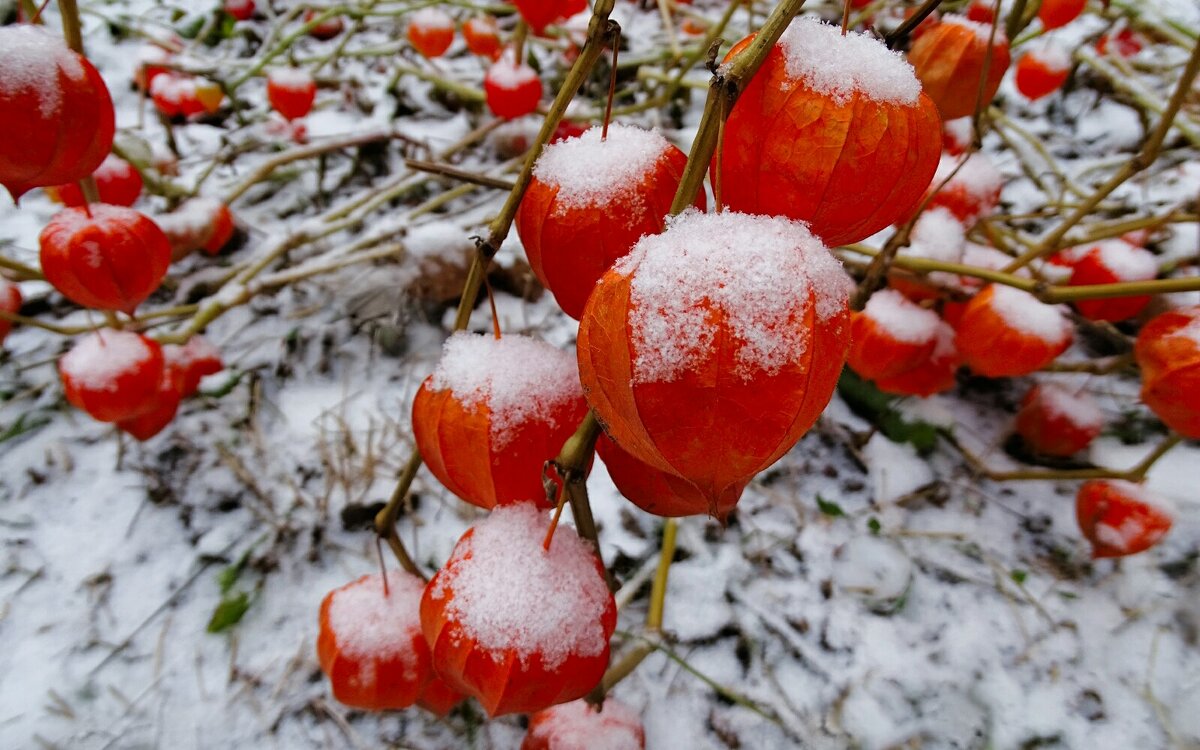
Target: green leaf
[229, 612]
[872, 404]
[1019, 576]
[874, 525]
[831, 509]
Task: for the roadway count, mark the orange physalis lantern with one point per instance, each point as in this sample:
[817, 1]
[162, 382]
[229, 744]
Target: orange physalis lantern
[1057, 13]
[832, 130]
[518, 626]
[591, 198]
[934, 374]
[950, 60]
[431, 31]
[579, 725]
[112, 375]
[1110, 262]
[1041, 72]
[370, 644]
[1168, 351]
[1054, 421]
[659, 493]
[890, 335]
[10, 302]
[55, 111]
[971, 192]
[1120, 518]
[104, 257]
[1004, 331]
[493, 412]
[117, 182]
[724, 324]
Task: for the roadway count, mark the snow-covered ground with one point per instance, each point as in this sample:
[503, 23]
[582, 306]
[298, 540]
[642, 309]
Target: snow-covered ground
[924, 606]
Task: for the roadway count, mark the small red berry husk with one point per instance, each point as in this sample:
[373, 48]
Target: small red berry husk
[518, 626]
[981, 11]
[1041, 72]
[541, 13]
[325, 30]
[104, 257]
[579, 725]
[1058, 13]
[176, 96]
[660, 493]
[118, 183]
[1110, 262]
[512, 90]
[493, 412]
[724, 324]
[157, 417]
[1168, 352]
[152, 61]
[972, 192]
[431, 31]
[10, 302]
[934, 374]
[847, 149]
[956, 136]
[890, 335]
[209, 94]
[1055, 421]
[1124, 42]
[199, 223]
[1120, 518]
[590, 200]
[55, 112]
[482, 36]
[370, 644]
[1004, 331]
[242, 10]
[113, 375]
[949, 60]
[291, 92]
[190, 362]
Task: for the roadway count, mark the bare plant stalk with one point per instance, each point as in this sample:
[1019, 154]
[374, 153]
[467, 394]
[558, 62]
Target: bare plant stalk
[899, 37]
[1135, 474]
[73, 36]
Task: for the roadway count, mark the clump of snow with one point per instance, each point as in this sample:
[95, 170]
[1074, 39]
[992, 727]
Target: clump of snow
[1077, 408]
[288, 78]
[958, 132]
[751, 275]
[507, 74]
[1029, 315]
[193, 218]
[511, 595]
[905, 320]
[431, 19]
[32, 59]
[872, 567]
[978, 177]
[578, 725]
[1052, 56]
[369, 624]
[519, 379]
[982, 31]
[1125, 261]
[437, 238]
[589, 170]
[173, 89]
[839, 66]
[938, 235]
[99, 359]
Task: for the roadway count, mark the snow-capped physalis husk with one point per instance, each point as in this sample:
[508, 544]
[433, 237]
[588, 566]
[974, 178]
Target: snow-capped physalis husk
[117, 182]
[431, 31]
[291, 92]
[370, 645]
[200, 223]
[516, 626]
[890, 335]
[113, 375]
[541, 13]
[1055, 421]
[725, 324]
[10, 302]
[493, 412]
[590, 199]
[660, 493]
[1168, 351]
[833, 130]
[55, 111]
[949, 60]
[971, 191]
[1004, 331]
[934, 374]
[1057, 13]
[1042, 71]
[511, 89]
[579, 725]
[104, 257]
[1120, 518]
[1110, 262]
